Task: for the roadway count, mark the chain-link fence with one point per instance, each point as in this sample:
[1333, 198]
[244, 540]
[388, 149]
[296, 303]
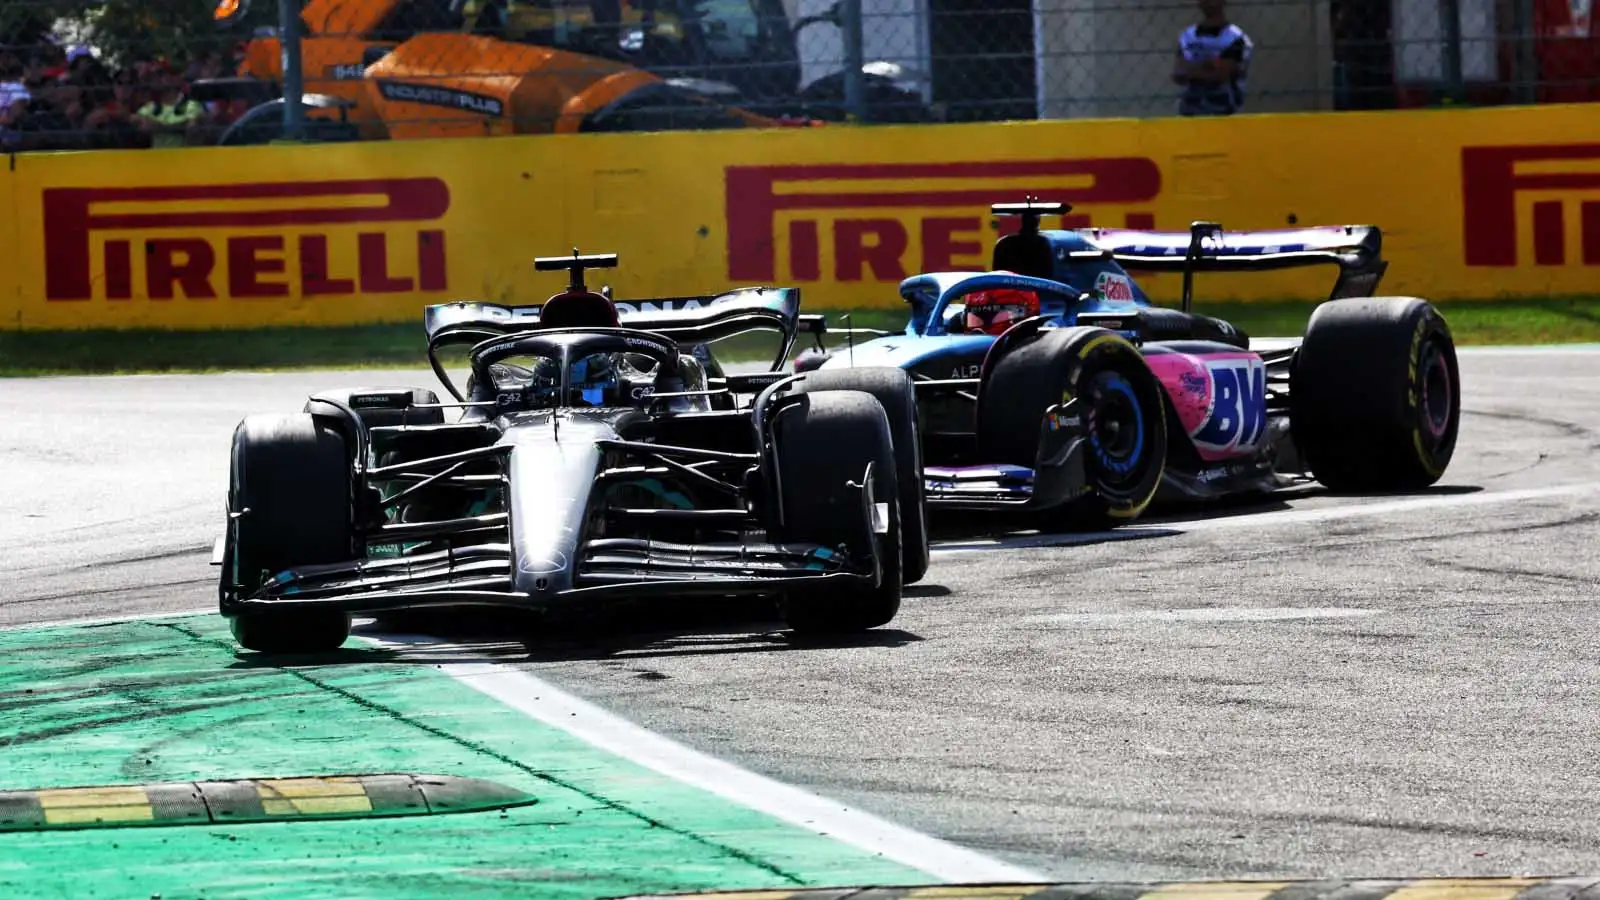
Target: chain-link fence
[138, 73]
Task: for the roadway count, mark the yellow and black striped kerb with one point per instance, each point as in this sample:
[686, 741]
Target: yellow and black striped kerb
[251, 800]
[1550, 888]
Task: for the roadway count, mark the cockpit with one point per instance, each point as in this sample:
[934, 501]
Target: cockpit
[594, 380]
[581, 357]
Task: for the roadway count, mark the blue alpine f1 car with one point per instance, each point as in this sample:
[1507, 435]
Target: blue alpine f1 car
[1052, 384]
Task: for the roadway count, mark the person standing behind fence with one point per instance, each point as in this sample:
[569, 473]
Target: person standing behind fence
[1213, 63]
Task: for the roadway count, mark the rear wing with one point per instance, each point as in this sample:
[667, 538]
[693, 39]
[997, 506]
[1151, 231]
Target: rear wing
[1205, 247]
[686, 320]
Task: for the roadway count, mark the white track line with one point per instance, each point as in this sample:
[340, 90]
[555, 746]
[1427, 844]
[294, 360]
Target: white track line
[1264, 519]
[1523, 349]
[108, 620]
[1130, 532]
[546, 703]
[554, 707]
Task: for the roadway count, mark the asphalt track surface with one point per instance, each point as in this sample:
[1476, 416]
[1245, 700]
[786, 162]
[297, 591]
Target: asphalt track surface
[1314, 686]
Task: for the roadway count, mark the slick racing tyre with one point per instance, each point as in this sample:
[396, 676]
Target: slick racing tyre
[822, 442]
[290, 482]
[1375, 395]
[1120, 407]
[892, 388]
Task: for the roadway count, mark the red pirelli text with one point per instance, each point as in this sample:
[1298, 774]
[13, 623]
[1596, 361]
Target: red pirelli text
[1491, 183]
[867, 230]
[180, 251]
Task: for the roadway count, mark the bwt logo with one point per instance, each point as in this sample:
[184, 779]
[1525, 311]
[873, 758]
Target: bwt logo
[867, 228]
[1490, 183]
[186, 253]
[1238, 414]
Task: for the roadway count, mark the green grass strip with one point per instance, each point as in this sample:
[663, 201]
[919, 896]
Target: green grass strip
[22, 353]
[174, 700]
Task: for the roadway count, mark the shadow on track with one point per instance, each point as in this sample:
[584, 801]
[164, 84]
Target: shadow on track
[1001, 534]
[659, 645]
[711, 627]
[689, 627]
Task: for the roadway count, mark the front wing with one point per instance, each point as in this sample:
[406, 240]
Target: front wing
[1057, 477]
[484, 572]
[609, 569]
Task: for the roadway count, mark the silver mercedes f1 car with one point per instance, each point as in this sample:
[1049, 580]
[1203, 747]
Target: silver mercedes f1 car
[585, 461]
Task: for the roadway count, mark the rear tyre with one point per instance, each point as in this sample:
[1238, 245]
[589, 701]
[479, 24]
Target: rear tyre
[893, 389]
[290, 480]
[1375, 395]
[1121, 408]
[822, 442]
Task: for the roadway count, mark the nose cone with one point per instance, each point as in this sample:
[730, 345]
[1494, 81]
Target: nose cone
[553, 468]
[545, 573]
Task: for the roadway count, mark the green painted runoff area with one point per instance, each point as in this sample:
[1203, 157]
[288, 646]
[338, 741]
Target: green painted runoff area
[173, 700]
[1519, 321]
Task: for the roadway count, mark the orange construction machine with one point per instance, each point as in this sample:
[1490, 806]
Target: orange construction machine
[404, 69]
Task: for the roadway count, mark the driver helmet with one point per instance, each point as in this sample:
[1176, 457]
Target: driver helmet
[994, 310]
[546, 384]
[593, 380]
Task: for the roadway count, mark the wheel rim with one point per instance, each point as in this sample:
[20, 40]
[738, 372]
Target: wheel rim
[1436, 398]
[1115, 427]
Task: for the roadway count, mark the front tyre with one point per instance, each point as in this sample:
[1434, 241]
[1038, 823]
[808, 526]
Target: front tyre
[1375, 395]
[822, 442]
[894, 390]
[1120, 405]
[290, 484]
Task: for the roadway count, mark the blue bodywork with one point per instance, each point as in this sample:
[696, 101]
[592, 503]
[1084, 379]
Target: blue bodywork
[1087, 273]
[1086, 278]
[1079, 268]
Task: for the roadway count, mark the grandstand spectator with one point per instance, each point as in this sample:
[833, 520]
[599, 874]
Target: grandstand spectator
[66, 98]
[47, 122]
[81, 60]
[168, 117]
[15, 99]
[47, 63]
[108, 116]
[14, 95]
[207, 65]
[1212, 64]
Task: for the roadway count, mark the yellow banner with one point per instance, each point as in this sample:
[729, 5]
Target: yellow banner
[336, 234]
[1473, 204]
[10, 275]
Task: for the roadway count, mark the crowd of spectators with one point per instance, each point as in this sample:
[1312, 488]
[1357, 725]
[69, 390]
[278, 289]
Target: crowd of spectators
[66, 98]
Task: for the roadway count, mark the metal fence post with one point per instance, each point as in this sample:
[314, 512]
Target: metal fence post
[294, 115]
[1525, 72]
[855, 100]
[1455, 87]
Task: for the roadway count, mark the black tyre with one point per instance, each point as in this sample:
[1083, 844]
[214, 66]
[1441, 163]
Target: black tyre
[893, 389]
[1121, 408]
[824, 441]
[1375, 395]
[290, 480]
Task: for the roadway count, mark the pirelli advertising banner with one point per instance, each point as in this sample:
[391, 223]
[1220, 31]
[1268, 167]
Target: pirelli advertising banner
[1473, 204]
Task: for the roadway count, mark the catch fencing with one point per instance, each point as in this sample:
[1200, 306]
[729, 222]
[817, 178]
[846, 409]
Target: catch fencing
[103, 75]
